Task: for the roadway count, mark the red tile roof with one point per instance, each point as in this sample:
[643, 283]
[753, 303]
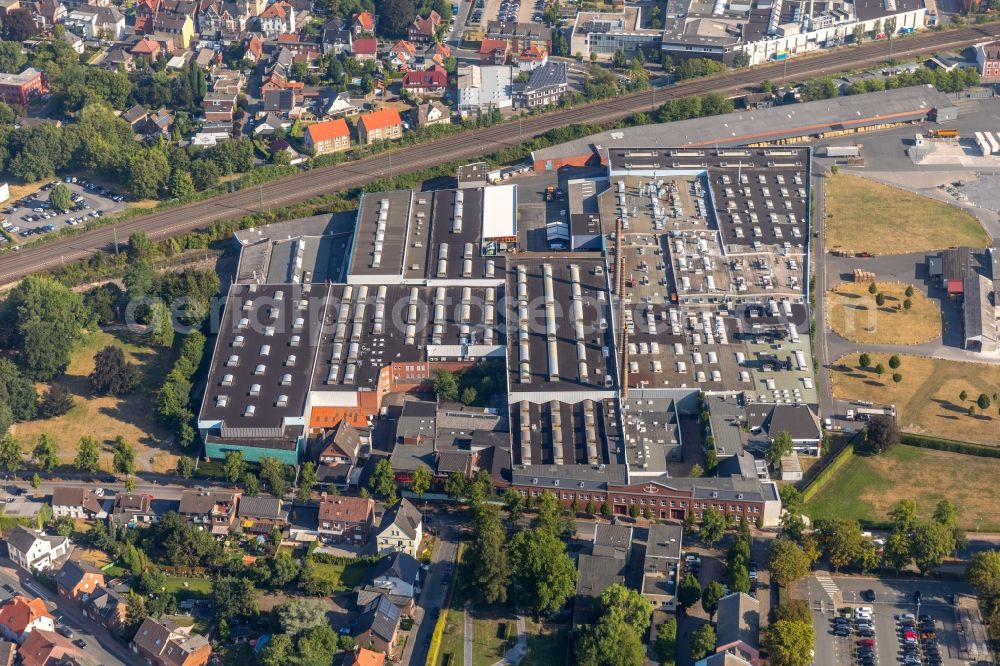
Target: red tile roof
[435, 77]
[366, 20]
[365, 657]
[276, 9]
[381, 119]
[490, 45]
[367, 46]
[330, 129]
[17, 613]
[146, 46]
[348, 509]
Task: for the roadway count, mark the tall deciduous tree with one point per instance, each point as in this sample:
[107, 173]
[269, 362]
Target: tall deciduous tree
[787, 562]
[710, 598]
[56, 401]
[702, 642]
[383, 480]
[124, 456]
[544, 575]
[273, 471]
[307, 480]
[11, 455]
[88, 455]
[46, 453]
[112, 374]
[781, 446]
[790, 643]
[713, 526]
[842, 541]
[234, 466]
[489, 563]
[421, 481]
[932, 543]
[17, 392]
[688, 592]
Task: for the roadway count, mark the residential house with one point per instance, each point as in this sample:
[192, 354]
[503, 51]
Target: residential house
[219, 106]
[178, 28]
[77, 580]
[333, 103]
[146, 49]
[282, 146]
[22, 88]
[661, 565]
[47, 648]
[253, 49]
[337, 37]
[93, 22]
[163, 643]
[493, 51]
[738, 627]
[136, 118]
[521, 35]
[612, 540]
[159, 122]
[261, 515]
[225, 20]
[482, 89]
[76, 501]
[331, 136]
[277, 18]
[107, 607]
[49, 12]
[363, 24]
[402, 54]
[546, 85]
[382, 125]
[378, 625]
[134, 508]
[430, 113]
[118, 60]
[363, 657]
[19, 616]
[432, 82]
[437, 53]
[35, 550]
[365, 48]
[766, 420]
[532, 58]
[303, 524]
[396, 576]
[988, 61]
[279, 101]
[346, 520]
[270, 124]
[225, 80]
[211, 510]
[72, 40]
[595, 573]
[424, 30]
[401, 529]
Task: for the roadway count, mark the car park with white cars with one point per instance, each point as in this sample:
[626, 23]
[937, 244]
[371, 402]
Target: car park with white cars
[34, 213]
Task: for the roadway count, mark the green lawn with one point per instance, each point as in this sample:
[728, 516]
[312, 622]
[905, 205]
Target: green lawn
[345, 577]
[194, 585]
[547, 643]
[867, 487]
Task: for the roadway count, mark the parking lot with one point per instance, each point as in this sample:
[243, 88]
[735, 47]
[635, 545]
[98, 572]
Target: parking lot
[34, 215]
[507, 11]
[894, 612]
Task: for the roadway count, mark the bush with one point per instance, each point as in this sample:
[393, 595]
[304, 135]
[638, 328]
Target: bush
[939, 444]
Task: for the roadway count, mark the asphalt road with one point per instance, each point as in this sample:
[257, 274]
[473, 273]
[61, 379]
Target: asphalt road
[462, 146]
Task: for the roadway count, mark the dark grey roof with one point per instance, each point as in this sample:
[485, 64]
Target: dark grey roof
[726, 416]
[22, 538]
[738, 619]
[503, 30]
[381, 617]
[798, 420]
[549, 75]
[595, 573]
[304, 517]
[261, 506]
[74, 571]
[609, 538]
[403, 515]
[76, 496]
[664, 541]
[198, 502]
[397, 565]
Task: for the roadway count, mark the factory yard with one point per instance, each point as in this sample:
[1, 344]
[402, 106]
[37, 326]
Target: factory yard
[864, 216]
[928, 397]
[868, 486]
[854, 314]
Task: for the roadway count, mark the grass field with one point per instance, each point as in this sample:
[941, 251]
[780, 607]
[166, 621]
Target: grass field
[345, 577]
[867, 487]
[863, 215]
[853, 314]
[188, 584]
[105, 417]
[547, 643]
[928, 399]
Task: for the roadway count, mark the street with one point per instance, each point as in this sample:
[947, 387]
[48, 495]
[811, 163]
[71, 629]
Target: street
[101, 647]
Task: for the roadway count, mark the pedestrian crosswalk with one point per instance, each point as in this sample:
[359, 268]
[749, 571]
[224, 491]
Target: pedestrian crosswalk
[828, 585]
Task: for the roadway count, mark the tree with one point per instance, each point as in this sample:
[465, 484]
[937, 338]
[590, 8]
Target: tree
[710, 598]
[842, 541]
[251, 484]
[897, 552]
[279, 651]
[232, 596]
[11, 455]
[161, 324]
[793, 610]
[12, 58]
[488, 559]
[872, 288]
[44, 320]
[421, 481]
[513, 503]
[234, 466]
[739, 577]
[790, 643]
[135, 610]
[879, 369]
[864, 361]
[963, 396]
[983, 401]
[713, 526]
[696, 471]
[628, 606]
[56, 401]
[46, 453]
[185, 467]
[147, 173]
[87, 455]
[395, 15]
[123, 460]
[781, 446]
[883, 433]
[60, 197]
[456, 485]
[609, 642]
[702, 642]
[606, 510]
[909, 291]
[741, 59]
[299, 615]
[307, 481]
[445, 386]
[140, 248]
[112, 374]
[272, 471]
[907, 304]
[904, 515]
[551, 516]
[688, 592]
[880, 299]
[383, 480]
[932, 543]
[984, 573]
[946, 513]
[897, 377]
[787, 562]
[19, 25]
[544, 576]
[666, 642]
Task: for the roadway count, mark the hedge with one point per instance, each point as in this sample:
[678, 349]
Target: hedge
[951, 445]
[836, 462]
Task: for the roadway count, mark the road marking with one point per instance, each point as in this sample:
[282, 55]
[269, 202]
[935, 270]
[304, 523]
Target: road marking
[828, 585]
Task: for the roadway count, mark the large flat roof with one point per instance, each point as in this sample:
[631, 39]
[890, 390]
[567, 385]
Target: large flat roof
[380, 236]
[499, 211]
[771, 124]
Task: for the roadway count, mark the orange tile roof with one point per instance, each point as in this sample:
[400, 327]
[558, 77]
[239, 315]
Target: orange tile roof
[275, 9]
[327, 417]
[146, 45]
[348, 509]
[41, 648]
[381, 119]
[330, 129]
[366, 19]
[17, 613]
[491, 45]
[365, 657]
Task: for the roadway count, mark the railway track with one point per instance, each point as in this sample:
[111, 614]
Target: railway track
[466, 145]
